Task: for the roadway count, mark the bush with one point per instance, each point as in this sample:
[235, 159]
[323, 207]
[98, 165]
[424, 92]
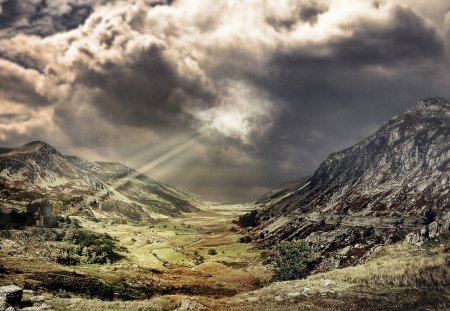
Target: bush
[212, 252]
[248, 220]
[86, 248]
[290, 259]
[399, 235]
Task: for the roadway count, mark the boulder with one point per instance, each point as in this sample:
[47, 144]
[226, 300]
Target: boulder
[12, 294]
[189, 304]
[3, 304]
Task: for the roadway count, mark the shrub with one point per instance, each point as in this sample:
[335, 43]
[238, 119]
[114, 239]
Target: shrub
[212, 252]
[248, 220]
[245, 239]
[290, 259]
[86, 247]
[399, 235]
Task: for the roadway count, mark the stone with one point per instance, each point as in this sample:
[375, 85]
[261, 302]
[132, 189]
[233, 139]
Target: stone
[12, 293]
[189, 304]
[433, 230]
[278, 298]
[3, 304]
[41, 307]
[35, 299]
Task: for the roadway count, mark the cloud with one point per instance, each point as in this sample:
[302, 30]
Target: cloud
[273, 86]
[42, 17]
[20, 84]
[8, 118]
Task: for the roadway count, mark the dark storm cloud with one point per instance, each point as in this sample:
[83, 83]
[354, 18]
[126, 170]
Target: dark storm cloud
[337, 98]
[18, 84]
[406, 38]
[146, 92]
[310, 12]
[43, 17]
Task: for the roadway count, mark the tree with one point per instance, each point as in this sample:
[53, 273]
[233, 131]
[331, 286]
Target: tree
[248, 220]
[290, 259]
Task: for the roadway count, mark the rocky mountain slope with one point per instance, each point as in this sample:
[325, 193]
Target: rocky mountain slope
[393, 183]
[75, 185]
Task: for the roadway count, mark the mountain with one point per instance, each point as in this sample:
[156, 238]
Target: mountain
[394, 184]
[75, 185]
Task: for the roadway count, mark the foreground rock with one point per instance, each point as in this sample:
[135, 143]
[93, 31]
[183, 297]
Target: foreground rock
[11, 294]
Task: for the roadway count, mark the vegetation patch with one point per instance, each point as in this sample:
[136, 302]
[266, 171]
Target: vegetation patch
[290, 259]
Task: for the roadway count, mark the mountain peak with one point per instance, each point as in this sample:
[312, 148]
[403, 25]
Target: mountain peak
[36, 147]
[432, 104]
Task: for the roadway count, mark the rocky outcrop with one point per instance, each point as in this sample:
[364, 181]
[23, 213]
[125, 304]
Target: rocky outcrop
[430, 231]
[386, 184]
[10, 295]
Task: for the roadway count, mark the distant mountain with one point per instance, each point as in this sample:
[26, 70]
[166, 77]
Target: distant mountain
[78, 186]
[391, 184]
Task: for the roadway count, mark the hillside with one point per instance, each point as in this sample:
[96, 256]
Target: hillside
[78, 186]
[393, 183]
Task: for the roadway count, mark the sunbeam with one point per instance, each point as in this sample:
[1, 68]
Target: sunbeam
[144, 169]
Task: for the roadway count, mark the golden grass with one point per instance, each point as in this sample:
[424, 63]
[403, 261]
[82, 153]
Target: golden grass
[399, 265]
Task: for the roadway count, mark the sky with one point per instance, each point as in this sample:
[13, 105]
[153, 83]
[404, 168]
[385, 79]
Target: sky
[224, 98]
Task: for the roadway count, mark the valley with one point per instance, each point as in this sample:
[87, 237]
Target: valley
[196, 254]
[368, 230]
[169, 264]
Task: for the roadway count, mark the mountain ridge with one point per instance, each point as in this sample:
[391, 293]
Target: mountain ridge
[75, 185]
[388, 181]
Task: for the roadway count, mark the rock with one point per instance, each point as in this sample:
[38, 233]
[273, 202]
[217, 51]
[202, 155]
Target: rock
[35, 299]
[41, 307]
[189, 304]
[253, 299]
[10, 309]
[12, 293]
[433, 230]
[327, 282]
[44, 306]
[278, 298]
[3, 304]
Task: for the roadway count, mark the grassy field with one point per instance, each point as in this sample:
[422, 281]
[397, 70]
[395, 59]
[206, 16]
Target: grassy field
[399, 277]
[196, 254]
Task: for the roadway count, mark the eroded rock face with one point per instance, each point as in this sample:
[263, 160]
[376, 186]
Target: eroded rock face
[385, 184]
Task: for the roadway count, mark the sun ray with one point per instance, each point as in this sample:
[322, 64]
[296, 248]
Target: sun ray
[147, 167]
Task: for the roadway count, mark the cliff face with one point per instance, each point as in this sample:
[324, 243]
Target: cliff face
[386, 183]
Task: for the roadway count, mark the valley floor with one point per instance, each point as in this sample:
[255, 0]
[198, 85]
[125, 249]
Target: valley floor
[197, 263]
